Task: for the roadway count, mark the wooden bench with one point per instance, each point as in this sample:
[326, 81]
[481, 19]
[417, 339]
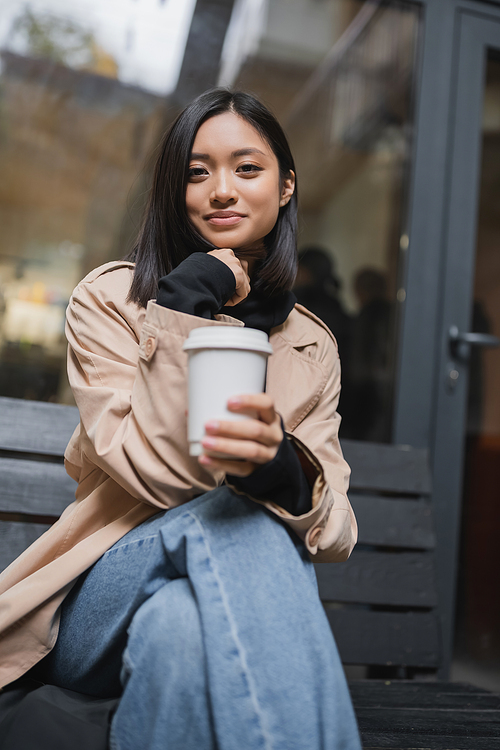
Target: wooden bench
[34, 486]
[382, 603]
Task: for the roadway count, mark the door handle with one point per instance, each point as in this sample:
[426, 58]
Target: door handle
[460, 342]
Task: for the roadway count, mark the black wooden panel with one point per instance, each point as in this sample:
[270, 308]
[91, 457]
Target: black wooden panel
[15, 537]
[415, 694]
[407, 639]
[391, 522]
[35, 487]
[458, 701]
[370, 577]
[427, 742]
[429, 728]
[36, 427]
[389, 468]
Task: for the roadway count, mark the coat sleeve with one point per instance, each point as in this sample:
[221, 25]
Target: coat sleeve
[129, 383]
[329, 529]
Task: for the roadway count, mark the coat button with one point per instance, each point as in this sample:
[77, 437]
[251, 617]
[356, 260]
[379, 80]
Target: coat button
[149, 346]
[314, 537]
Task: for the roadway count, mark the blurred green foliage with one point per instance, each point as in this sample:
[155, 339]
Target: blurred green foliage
[59, 39]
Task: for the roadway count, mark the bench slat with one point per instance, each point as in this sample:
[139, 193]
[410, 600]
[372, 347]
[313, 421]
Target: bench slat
[408, 724]
[388, 468]
[36, 487]
[405, 638]
[402, 694]
[395, 579]
[408, 714]
[15, 537]
[394, 523]
[378, 740]
[386, 690]
[36, 427]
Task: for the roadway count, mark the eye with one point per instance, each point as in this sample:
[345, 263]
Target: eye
[194, 172]
[249, 168]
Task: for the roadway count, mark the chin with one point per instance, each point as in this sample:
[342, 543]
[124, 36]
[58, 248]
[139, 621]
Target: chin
[231, 240]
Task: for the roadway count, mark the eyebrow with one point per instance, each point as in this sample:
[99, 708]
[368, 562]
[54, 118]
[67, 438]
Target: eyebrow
[239, 152]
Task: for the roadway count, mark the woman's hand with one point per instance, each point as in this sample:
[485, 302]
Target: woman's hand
[240, 271]
[249, 442]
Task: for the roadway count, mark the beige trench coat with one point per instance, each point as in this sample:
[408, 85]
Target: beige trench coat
[130, 456]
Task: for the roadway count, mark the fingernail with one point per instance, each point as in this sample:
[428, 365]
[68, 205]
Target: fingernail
[208, 442]
[234, 401]
[212, 425]
[204, 460]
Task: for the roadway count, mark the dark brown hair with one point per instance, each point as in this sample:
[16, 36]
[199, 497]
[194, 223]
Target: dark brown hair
[167, 236]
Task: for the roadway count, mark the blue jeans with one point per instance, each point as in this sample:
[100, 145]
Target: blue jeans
[207, 617]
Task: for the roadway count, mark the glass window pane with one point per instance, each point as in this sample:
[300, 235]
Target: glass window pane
[478, 623]
[83, 98]
[341, 76]
[83, 90]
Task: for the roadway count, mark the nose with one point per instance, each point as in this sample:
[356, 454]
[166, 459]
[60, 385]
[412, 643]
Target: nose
[223, 189]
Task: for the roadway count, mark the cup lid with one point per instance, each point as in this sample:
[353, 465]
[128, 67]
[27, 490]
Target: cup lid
[228, 337]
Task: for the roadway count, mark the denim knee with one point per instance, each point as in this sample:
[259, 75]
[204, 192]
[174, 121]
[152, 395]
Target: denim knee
[165, 632]
[165, 699]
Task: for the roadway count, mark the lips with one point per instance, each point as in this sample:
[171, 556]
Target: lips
[224, 218]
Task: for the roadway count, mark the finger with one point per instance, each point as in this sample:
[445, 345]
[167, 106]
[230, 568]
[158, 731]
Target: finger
[254, 402]
[247, 450]
[235, 300]
[238, 468]
[241, 292]
[237, 297]
[249, 429]
[245, 282]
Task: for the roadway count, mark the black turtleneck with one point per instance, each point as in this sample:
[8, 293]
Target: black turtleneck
[201, 285]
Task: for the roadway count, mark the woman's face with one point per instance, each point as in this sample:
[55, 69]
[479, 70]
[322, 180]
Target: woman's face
[234, 193]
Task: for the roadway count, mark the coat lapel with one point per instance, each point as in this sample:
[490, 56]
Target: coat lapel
[295, 380]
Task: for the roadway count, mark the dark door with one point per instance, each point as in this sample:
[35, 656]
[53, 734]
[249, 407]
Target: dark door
[467, 415]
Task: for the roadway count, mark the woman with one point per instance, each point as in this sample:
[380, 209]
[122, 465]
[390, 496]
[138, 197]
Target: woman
[205, 615]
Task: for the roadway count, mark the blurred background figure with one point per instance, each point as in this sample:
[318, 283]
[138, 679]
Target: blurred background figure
[367, 411]
[317, 287]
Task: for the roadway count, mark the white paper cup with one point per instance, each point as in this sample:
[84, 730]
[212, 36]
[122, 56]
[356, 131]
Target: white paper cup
[224, 361]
